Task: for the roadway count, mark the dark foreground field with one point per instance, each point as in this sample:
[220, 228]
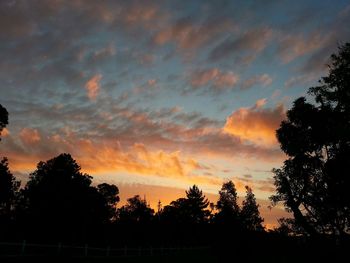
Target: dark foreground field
[302, 252]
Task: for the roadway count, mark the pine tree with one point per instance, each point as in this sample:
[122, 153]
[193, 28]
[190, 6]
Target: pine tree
[250, 214]
[227, 204]
[197, 205]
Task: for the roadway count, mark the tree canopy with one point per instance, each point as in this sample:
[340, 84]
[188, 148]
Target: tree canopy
[59, 194]
[189, 210]
[135, 211]
[313, 182]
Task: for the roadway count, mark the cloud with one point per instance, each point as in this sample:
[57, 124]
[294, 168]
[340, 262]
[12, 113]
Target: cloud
[30, 136]
[217, 79]
[152, 82]
[262, 185]
[187, 34]
[5, 132]
[252, 41]
[106, 156]
[264, 80]
[93, 87]
[303, 80]
[292, 46]
[147, 59]
[256, 124]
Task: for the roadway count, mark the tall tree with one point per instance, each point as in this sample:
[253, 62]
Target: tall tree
[227, 206]
[250, 214]
[3, 118]
[8, 189]
[314, 181]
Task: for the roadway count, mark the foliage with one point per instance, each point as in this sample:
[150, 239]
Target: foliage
[135, 211]
[314, 181]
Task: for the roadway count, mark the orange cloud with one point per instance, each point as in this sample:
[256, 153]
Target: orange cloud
[256, 124]
[93, 87]
[30, 136]
[5, 132]
[141, 161]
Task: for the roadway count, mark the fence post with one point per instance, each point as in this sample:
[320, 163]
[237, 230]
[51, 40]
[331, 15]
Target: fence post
[125, 251]
[86, 250]
[107, 251]
[59, 247]
[151, 251]
[23, 247]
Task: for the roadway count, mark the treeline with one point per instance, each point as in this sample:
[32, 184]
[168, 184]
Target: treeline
[59, 202]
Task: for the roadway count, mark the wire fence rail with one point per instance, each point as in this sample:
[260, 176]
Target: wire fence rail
[13, 249]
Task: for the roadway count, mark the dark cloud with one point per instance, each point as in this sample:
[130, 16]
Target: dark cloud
[252, 41]
[187, 33]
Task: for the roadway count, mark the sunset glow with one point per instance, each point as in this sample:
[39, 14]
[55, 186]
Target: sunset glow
[161, 95]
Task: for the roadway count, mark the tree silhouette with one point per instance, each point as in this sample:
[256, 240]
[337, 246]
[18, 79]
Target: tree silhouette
[9, 187]
[250, 214]
[3, 118]
[314, 181]
[189, 210]
[228, 209]
[58, 196]
[135, 211]
[197, 205]
[111, 198]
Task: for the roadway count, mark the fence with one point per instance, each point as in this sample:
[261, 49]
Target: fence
[9, 249]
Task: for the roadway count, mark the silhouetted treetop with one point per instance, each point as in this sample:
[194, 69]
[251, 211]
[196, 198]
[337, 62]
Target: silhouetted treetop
[250, 214]
[109, 193]
[197, 204]
[189, 210]
[61, 169]
[135, 211]
[228, 209]
[334, 90]
[59, 193]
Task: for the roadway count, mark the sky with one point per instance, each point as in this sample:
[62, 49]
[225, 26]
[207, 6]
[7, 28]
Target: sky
[155, 96]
